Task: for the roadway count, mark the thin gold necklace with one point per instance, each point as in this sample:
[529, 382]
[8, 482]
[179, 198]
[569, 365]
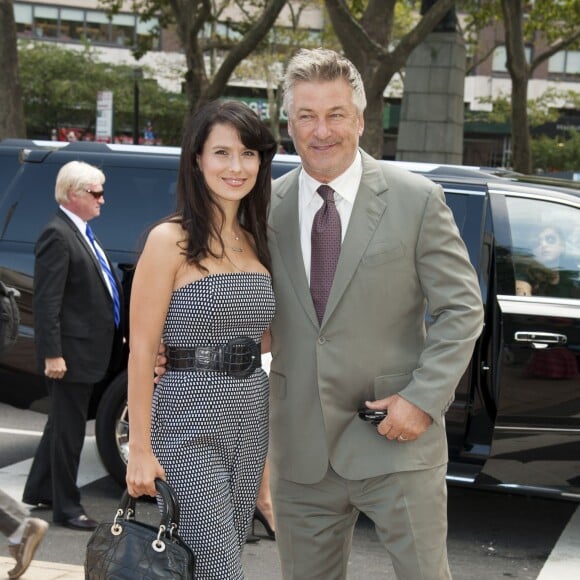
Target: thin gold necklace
[233, 263]
[238, 249]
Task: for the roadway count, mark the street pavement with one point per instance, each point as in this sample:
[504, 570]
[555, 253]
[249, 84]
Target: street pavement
[492, 536]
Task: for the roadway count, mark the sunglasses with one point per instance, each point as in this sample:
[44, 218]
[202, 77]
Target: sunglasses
[95, 194]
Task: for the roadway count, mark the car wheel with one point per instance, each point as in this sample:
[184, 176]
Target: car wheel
[112, 428]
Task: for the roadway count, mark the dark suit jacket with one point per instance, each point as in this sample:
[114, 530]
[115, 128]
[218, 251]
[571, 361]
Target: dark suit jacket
[401, 251]
[73, 308]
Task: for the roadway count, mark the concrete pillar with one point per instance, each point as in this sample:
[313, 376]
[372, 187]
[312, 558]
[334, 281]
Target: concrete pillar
[431, 123]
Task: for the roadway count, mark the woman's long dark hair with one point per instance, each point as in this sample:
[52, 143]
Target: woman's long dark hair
[196, 206]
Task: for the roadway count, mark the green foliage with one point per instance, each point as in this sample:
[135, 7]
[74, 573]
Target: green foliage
[552, 19]
[559, 154]
[541, 110]
[60, 86]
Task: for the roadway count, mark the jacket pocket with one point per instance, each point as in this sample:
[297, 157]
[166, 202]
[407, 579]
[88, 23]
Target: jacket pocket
[382, 253]
[387, 385]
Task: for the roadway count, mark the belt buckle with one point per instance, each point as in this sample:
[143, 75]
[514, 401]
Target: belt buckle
[240, 357]
[205, 358]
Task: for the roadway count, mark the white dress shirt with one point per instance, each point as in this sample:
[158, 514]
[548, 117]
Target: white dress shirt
[82, 227]
[309, 202]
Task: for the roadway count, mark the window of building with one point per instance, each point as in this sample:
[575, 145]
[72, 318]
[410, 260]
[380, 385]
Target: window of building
[98, 27]
[123, 29]
[72, 24]
[499, 62]
[145, 29]
[45, 22]
[565, 62]
[23, 18]
[76, 24]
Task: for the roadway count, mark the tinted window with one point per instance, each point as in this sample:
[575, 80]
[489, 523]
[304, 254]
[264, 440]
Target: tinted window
[135, 198]
[468, 213]
[9, 165]
[545, 247]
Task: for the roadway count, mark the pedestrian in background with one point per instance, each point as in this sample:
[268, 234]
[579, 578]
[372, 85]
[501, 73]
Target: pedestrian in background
[148, 134]
[77, 306]
[23, 532]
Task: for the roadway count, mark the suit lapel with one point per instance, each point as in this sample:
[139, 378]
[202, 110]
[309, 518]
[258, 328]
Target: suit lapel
[85, 244]
[369, 207]
[286, 228]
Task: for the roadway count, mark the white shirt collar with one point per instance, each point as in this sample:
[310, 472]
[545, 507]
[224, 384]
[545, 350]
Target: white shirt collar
[77, 221]
[345, 185]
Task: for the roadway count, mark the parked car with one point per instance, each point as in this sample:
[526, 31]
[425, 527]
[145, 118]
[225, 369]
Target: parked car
[515, 422]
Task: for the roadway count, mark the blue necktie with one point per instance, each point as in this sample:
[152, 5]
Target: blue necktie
[109, 274]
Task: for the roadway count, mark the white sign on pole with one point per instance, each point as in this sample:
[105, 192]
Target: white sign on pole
[104, 132]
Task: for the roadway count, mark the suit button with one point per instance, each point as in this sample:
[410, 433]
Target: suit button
[321, 340]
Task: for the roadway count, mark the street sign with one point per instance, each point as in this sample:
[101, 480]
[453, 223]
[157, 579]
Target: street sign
[104, 132]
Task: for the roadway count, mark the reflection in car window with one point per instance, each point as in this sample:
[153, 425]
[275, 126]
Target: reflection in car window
[545, 248]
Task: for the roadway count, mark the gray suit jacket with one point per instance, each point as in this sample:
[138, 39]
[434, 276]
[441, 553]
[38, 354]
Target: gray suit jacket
[402, 251]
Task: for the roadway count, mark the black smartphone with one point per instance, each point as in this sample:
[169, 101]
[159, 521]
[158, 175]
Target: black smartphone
[374, 417]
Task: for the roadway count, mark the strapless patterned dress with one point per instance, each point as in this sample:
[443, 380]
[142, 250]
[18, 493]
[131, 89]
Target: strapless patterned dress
[209, 429]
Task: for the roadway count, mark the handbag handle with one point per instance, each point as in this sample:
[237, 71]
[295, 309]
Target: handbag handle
[170, 511]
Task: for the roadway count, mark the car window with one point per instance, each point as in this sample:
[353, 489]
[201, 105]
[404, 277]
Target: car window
[135, 198]
[468, 212]
[545, 247]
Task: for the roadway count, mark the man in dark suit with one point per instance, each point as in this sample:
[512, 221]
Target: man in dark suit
[359, 250]
[77, 304]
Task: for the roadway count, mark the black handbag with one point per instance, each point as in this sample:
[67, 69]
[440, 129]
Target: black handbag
[126, 549]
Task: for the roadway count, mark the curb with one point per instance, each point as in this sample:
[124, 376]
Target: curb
[44, 570]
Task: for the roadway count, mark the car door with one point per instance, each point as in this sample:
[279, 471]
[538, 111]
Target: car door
[536, 436]
[468, 202]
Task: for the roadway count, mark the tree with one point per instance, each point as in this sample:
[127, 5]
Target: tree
[271, 58]
[191, 17]
[550, 27]
[365, 30]
[556, 154]
[60, 87]
[11, 108]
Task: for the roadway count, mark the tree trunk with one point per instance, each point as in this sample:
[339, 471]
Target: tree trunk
[11, 107]
[367, 43]
[191, 18]
[519, 72]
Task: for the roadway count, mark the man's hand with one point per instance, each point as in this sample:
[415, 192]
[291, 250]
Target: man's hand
[160, 363]
[404, 421]
[55, 368]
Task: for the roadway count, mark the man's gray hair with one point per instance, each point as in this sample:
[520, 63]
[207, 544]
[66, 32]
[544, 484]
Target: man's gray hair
[76, 176]
[321, 64]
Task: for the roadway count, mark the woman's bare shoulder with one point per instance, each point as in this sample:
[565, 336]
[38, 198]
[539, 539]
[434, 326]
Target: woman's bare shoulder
[166, 233]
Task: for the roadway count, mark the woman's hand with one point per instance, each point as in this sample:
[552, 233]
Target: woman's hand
[160, 363]
[142, 470]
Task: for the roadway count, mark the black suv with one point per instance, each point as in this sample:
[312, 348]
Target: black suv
[515, 422]
[140, 189]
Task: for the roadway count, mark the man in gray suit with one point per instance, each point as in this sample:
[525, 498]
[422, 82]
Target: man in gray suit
[361, 338]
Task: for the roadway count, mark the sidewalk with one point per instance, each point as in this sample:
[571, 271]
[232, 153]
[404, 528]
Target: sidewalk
[44, 570]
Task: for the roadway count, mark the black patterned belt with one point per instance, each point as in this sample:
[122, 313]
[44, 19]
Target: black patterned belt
[239, 357]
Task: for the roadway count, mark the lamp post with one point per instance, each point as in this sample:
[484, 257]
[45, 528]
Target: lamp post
[137, 76]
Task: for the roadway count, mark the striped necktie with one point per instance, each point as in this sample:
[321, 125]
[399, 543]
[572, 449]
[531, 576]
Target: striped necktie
[107, 271]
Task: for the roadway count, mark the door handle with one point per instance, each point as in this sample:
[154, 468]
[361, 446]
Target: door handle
[541, 339]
